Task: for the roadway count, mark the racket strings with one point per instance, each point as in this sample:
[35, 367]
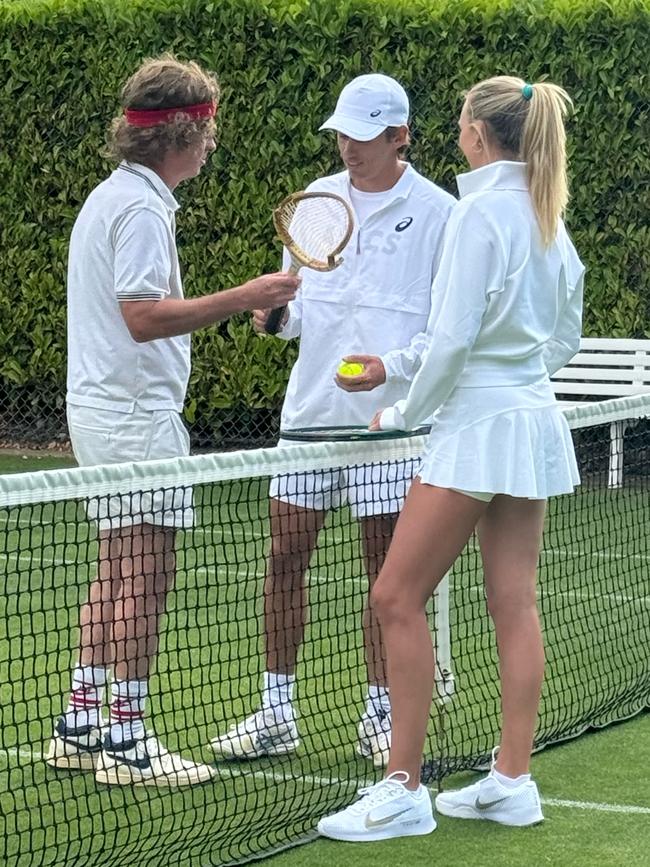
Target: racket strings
[318, 227]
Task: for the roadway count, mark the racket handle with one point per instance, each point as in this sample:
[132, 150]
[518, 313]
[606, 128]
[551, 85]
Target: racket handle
[274, 320]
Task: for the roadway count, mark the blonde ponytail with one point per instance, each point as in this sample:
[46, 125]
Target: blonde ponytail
[528, 122]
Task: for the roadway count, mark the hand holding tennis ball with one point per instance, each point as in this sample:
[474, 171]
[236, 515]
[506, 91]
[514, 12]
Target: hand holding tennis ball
[360, 372]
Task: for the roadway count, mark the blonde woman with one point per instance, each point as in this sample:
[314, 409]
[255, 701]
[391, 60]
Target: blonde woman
[506, 314]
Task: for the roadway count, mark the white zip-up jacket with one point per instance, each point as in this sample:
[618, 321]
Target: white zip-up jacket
[377, 302]
[507, 310]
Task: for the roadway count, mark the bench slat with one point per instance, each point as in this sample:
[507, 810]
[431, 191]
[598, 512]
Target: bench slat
[598, 374]
[614, 343]
[624, 359]
[589, 388]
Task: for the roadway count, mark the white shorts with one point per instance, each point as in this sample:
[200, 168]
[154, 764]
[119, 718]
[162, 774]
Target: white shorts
[483, 496]
[102, 436]
[370, 489]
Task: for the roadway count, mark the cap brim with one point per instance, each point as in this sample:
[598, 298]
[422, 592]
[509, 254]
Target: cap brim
[354, 128]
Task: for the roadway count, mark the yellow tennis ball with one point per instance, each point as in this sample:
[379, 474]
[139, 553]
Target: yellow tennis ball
[350, 368]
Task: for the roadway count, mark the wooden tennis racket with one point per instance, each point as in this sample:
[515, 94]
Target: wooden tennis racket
[315, 228]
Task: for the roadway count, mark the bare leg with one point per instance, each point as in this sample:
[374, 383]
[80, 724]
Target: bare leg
[148, 566]
[96, 619]
[510, 534]
[294, 532]
[377, 532]
[432, 530]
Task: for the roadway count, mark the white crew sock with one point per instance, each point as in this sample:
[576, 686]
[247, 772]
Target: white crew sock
[278, 694]
[377, 701]
[85, 701]
[510, 782]
[128, 698]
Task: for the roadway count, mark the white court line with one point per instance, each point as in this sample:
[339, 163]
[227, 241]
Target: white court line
[577, 552]
[326, 579]
[477, 590]
[590, 805]
[325, 782]
[545, 553]
[40, 561]
[585, 595]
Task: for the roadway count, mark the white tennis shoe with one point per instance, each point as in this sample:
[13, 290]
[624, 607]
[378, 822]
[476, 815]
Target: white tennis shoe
[374, 739]
[262, 734]
[74, 749]
[146, 762]
[490, 800]
[387, 809]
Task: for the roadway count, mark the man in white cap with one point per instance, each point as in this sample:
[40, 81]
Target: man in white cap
[372, 310]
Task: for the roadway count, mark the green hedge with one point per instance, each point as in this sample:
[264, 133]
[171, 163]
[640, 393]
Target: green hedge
[281, 64]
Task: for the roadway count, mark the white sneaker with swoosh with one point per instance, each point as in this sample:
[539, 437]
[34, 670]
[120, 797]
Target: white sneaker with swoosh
[146, 762]
[490, 800]
[387, 809]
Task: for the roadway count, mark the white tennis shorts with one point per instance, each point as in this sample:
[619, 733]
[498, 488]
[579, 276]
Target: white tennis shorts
[370, 489]
[102, 436]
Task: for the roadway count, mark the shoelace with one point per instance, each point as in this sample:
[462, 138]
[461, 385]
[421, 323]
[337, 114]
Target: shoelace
[381, 792]
[150, 746]
[381, 723]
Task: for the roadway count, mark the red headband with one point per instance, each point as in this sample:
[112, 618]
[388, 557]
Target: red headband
[152, 117]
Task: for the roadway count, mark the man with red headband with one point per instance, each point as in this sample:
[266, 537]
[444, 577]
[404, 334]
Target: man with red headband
[128, 368]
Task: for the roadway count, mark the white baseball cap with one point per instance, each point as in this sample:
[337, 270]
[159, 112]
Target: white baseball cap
[367, 106]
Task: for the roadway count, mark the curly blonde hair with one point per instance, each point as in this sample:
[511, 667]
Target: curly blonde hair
[162, 82]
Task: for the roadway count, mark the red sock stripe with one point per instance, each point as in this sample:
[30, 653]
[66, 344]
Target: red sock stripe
[122, 710]
[81, 700]
[85, 696]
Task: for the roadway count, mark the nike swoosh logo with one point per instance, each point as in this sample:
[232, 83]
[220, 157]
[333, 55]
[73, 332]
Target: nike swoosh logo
[141, 764]
[377, 823]
[485, 805]
[87, 748]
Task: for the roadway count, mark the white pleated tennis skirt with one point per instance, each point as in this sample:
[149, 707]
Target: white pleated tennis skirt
[502, 440]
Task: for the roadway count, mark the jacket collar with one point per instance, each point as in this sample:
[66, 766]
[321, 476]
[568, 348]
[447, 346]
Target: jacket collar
[500, 175]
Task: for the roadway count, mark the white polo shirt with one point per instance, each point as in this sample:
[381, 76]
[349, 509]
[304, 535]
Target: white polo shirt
[377, 302]
[123, 248]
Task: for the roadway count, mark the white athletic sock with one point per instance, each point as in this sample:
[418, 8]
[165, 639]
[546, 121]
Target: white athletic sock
[510, 782]
[278, 694]
[377, 701]
[128, 699]
[85, 701]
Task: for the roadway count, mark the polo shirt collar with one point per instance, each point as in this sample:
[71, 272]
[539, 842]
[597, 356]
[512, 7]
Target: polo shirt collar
[152, 179]
[501, 175]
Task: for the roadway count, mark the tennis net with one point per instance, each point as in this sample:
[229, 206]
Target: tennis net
[594, 596]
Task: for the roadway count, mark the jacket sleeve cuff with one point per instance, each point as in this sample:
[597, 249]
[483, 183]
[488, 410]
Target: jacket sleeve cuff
[391, 367]
[392, 419]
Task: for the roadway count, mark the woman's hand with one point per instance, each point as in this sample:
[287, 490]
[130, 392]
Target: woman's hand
[374, 424]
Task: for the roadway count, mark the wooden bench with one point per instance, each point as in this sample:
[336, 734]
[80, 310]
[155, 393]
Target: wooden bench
[604, 368]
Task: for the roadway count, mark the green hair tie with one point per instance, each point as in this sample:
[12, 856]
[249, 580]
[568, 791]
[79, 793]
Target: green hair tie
[527, 92]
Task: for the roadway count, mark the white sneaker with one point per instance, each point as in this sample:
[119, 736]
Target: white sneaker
[374, 739]
[146, 762]
[262, 734]
[488, 799]
[75, 749]
[387, 809]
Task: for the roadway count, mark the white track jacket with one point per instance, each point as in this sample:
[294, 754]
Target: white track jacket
[377, 302]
